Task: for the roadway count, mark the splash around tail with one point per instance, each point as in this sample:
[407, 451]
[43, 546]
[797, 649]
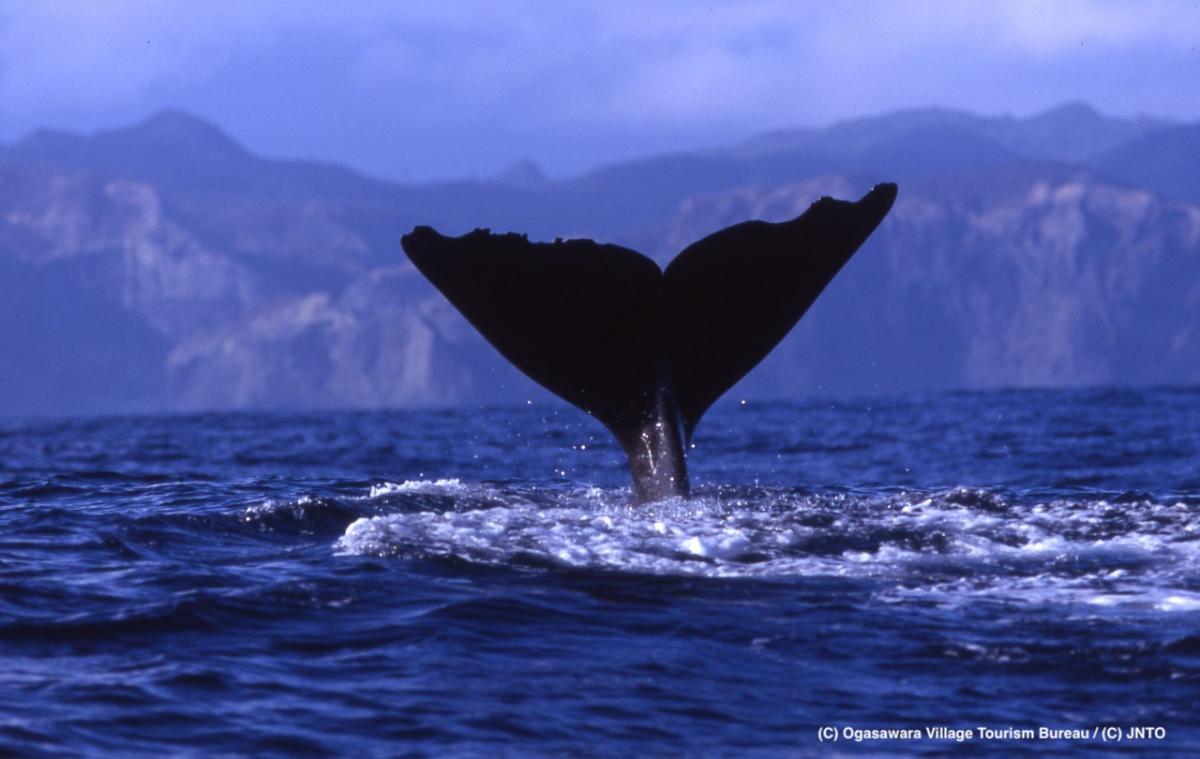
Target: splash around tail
[643, 350]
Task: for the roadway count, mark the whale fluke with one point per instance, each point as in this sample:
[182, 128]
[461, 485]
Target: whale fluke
[646, 352]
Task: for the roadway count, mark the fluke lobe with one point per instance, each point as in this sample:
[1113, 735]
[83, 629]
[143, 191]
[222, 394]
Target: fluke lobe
[646, 351]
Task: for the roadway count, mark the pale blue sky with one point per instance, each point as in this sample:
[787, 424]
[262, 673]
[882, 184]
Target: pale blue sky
[414, 90]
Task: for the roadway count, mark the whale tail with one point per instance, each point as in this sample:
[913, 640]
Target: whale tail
[605, 329]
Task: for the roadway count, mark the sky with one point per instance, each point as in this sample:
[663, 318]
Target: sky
[417, 90]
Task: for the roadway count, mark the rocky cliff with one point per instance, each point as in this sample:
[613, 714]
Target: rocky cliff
[162, 267]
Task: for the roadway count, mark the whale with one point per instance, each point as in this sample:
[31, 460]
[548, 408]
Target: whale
[645, 350]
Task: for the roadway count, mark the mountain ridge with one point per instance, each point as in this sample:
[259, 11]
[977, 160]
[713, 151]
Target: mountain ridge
[163, 267]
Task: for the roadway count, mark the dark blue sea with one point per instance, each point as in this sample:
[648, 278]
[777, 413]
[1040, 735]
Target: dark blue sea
[475, 582]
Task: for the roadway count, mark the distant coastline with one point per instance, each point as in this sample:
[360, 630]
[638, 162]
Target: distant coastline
[163, 267]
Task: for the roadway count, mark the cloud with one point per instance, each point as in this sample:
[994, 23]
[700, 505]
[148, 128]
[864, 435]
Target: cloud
[531, 77]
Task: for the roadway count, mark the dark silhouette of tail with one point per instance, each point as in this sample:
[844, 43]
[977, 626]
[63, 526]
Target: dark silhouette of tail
[645, 351]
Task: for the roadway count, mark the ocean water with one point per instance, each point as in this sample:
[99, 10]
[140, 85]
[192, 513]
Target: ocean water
[475, 582]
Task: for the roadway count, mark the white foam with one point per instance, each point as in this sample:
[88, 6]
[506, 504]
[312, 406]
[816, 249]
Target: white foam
[447, 486]
[258, 511]
[1179, 601]
[956, 546]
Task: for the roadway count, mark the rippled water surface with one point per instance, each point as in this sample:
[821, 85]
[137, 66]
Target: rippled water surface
[477, 583]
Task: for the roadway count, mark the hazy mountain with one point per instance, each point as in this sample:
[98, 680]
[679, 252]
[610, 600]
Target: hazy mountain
[1071, 132]
[162, 266]
[1165, 160]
